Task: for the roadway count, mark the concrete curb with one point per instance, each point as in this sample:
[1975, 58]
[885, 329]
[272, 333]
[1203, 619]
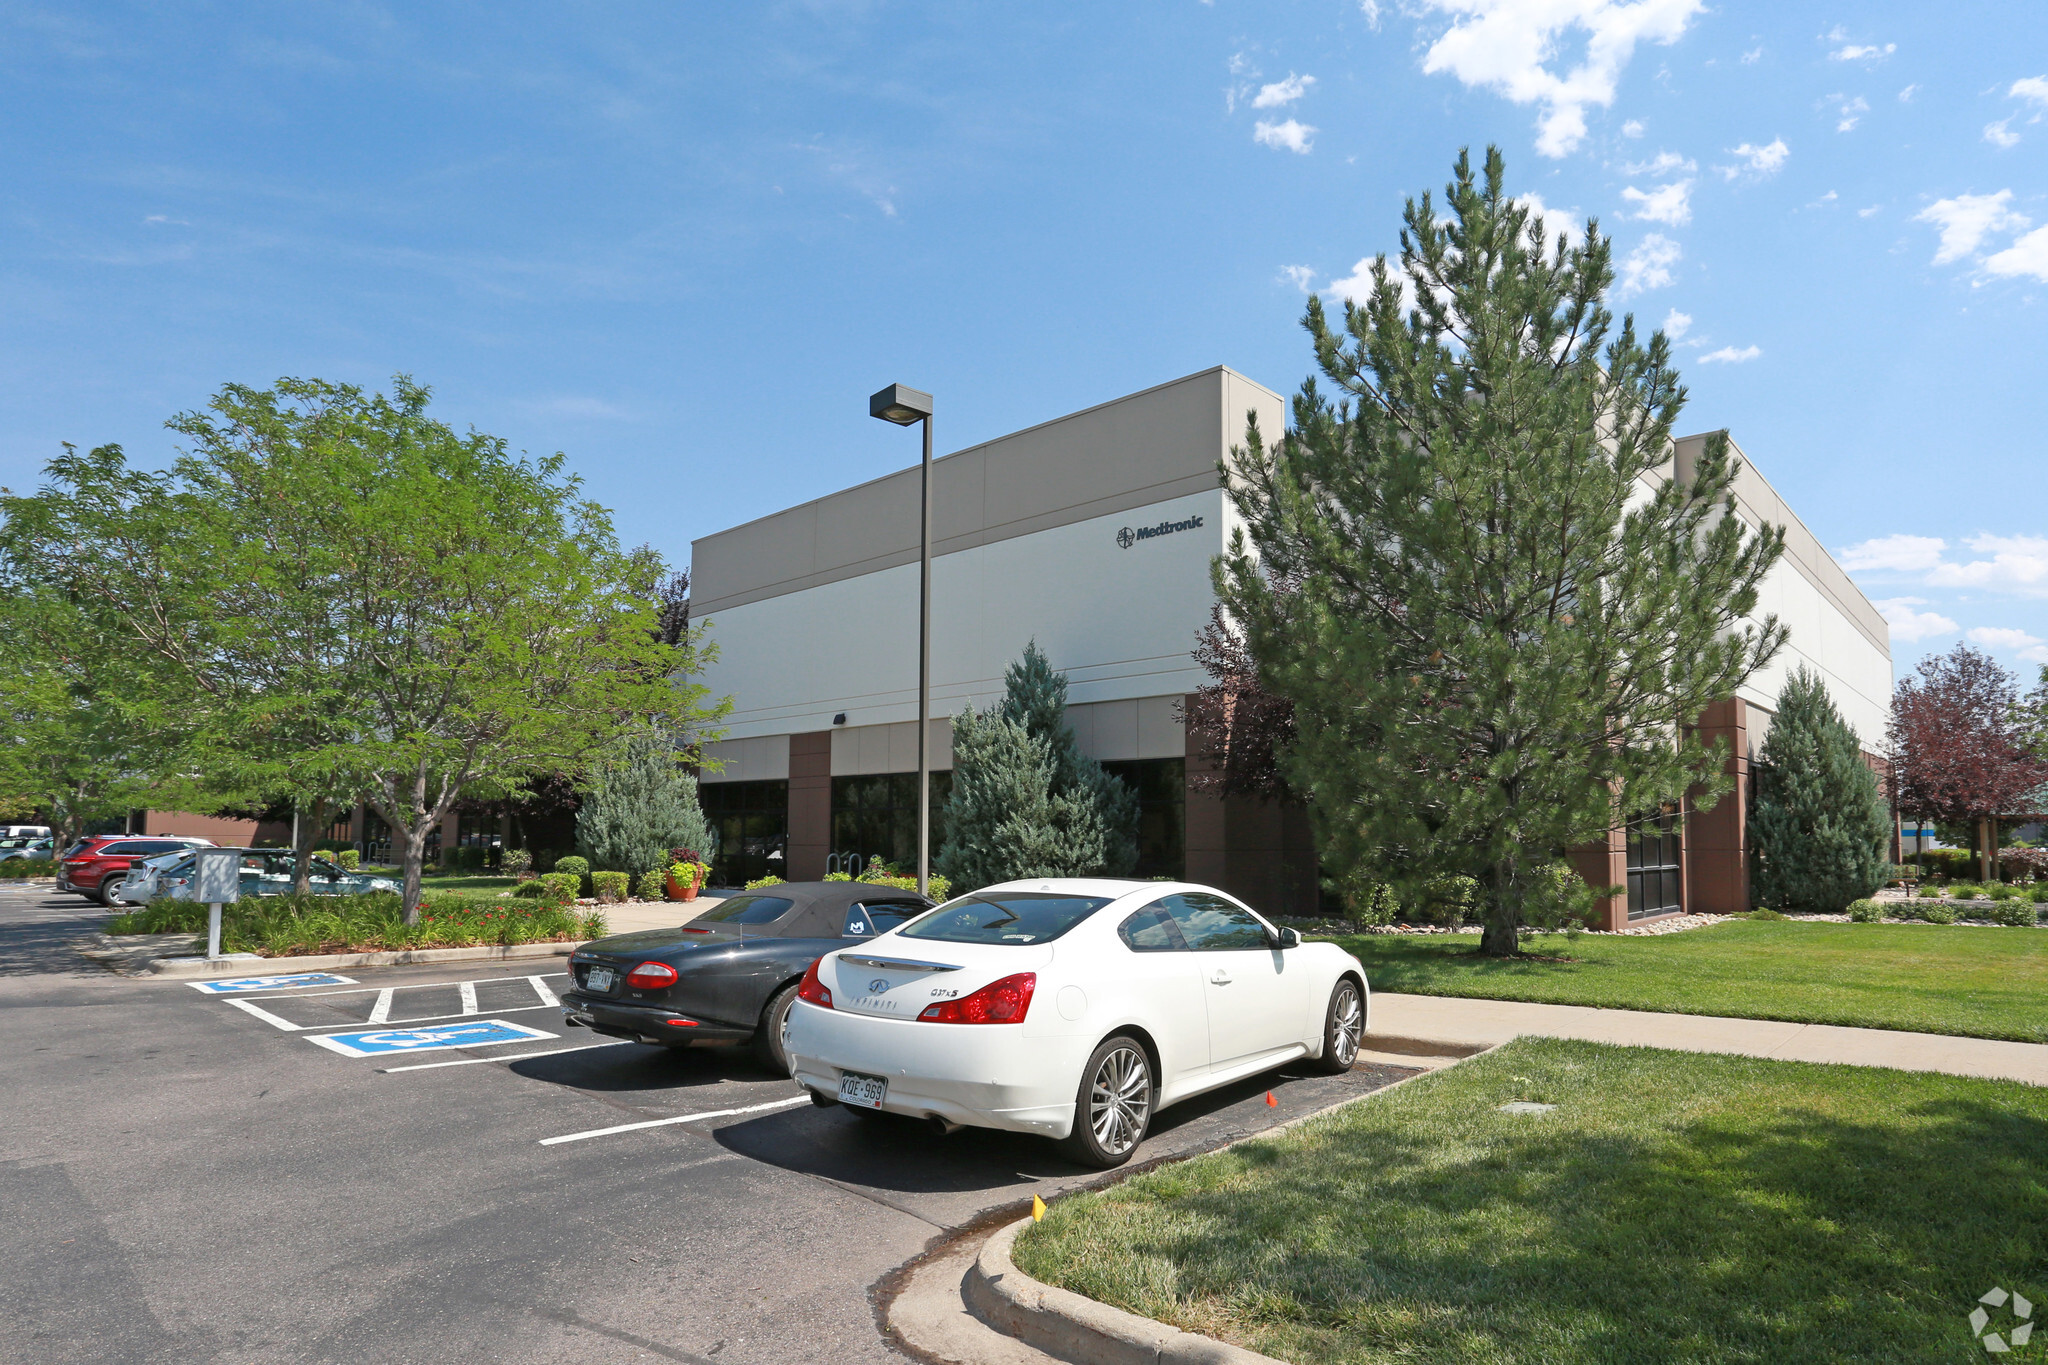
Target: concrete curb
[199, 966]
[1073, 1327]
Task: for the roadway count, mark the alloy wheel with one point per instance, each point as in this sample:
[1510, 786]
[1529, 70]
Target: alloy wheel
[1120, 1099]
[1347, 1024]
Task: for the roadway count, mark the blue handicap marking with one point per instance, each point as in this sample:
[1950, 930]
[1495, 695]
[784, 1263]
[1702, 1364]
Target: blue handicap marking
[467, 1033]
[270, 983]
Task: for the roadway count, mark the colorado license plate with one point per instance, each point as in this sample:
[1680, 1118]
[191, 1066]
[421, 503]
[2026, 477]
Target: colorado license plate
[599, 979]
[866, 1091]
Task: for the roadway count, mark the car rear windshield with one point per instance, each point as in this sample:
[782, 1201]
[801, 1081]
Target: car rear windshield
[1014, 917]
[746, 910]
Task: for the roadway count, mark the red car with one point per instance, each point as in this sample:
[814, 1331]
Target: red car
[93, 867]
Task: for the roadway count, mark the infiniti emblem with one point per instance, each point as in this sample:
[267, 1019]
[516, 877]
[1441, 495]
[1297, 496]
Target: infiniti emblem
[878, 985]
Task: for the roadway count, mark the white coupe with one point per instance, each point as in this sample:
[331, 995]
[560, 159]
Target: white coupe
[1072, 1008]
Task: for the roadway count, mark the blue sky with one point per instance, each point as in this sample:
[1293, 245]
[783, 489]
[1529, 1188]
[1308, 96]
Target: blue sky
[683, 243]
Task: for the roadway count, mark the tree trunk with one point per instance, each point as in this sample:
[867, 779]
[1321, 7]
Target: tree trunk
[1503, 914]
[415, 855]
[302, 846]
[1987, 835]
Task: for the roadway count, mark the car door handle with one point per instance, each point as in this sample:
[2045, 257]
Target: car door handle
[1222, 978]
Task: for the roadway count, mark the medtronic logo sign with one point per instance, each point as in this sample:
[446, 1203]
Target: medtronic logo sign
[1128, 537]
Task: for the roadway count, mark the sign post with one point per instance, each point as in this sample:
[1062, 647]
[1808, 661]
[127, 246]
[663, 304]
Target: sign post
[216, 881]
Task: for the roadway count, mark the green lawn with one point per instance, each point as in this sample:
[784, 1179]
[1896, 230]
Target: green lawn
[1674, 1207]
[1985, 983]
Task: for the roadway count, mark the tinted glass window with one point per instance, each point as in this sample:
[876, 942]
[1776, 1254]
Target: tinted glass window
[1212, 924]
[162, 846]
[865, 920]
[1151, 930]
[746, 910]
[128, 847]
[1014, 917]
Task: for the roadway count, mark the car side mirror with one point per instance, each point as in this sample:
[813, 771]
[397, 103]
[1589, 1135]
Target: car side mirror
[1286, 938]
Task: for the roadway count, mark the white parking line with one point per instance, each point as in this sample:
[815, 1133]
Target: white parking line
[380, 1013]
[680, 1118]
[475, 1061]
[540, 988]
[266, 1016]
[467, 990]
[407, 986]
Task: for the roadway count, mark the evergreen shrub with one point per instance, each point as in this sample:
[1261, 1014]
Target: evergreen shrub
[642, 804]
[610, 886]
[1821, 824]
[651, 886]
[530, 890]
[1866, 912]
[1938, 913]
[2016, 913]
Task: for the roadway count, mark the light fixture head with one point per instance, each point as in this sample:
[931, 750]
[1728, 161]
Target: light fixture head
[900, 405]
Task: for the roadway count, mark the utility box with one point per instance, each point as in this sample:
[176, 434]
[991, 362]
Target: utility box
[217, 875]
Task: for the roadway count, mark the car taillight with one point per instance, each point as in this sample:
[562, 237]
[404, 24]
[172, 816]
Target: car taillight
[999, 1002]
[814, 990]
[651, 976]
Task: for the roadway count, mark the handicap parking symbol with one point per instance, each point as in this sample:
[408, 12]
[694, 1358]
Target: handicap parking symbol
[270, 983]
[470, 1033]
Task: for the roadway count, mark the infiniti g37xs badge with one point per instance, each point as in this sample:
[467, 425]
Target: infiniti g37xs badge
[878, 985]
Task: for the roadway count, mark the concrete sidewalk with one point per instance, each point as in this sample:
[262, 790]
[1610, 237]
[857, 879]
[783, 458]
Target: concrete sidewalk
[1408, 1023]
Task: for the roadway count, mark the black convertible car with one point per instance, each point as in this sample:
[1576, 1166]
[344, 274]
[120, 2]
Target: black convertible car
[729, 975]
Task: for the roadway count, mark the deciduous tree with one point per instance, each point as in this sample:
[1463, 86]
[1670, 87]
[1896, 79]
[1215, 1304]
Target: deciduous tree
[1961, 748]
[1505, 605]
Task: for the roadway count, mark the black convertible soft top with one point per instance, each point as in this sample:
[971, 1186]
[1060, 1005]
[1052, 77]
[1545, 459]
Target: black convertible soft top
[817, 909]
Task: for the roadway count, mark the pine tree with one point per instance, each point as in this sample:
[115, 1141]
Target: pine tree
[1495, 604]
[1821, 824]
[642, 805]
[1026, 802]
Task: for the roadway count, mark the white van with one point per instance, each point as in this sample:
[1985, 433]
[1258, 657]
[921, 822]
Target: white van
[24, 831]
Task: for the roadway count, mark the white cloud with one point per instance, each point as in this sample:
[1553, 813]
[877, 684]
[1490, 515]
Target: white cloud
[1633, 128]
[1670, 204]
[1906, 95]
[1371, 10]
[1908, 625]
[1758, 161]
[1664, 163]
[2027, 256]
[1677, 324]
[1728, 355]
[1300, 276]
[1966, 220]
[1556, 222]
[575, 407]
[1357, 286]
[2038, 654]
[1894, 554]
[2001, 637]
[1648, 266]
[1282, 92]
[1870, 212]
[1753, 56]
[2033, 88]
[1291, 136]
[1507, 46]
[2014, 563]
[2000, 134]
[1849, 112]
[1858, 52]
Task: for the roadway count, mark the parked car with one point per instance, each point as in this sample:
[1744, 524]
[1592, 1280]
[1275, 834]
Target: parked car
[728, 976]
[94, 866]
[24, 831]
[1071, 1008]
[36, 850]
[264, 873]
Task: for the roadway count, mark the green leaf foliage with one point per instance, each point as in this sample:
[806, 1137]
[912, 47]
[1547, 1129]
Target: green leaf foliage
[1821, 828]
[1493, 597]
[1026, 802]
[642, 803]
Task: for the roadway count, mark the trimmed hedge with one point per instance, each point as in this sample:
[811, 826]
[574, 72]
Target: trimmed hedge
[611, 886]
[653, 885]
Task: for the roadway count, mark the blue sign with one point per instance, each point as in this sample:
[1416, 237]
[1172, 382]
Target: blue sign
[379, 1042]
[270, 983]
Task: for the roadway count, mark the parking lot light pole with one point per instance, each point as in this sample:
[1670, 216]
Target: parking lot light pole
[903, 406]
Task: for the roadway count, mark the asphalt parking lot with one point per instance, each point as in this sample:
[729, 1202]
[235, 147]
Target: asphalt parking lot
[419, 1164]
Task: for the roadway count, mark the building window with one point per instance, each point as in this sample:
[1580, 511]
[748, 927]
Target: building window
[752, 820]
[875, 816]
[1655, 871]
[1162, 786]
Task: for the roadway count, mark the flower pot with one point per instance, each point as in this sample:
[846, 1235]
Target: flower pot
[680, 891]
